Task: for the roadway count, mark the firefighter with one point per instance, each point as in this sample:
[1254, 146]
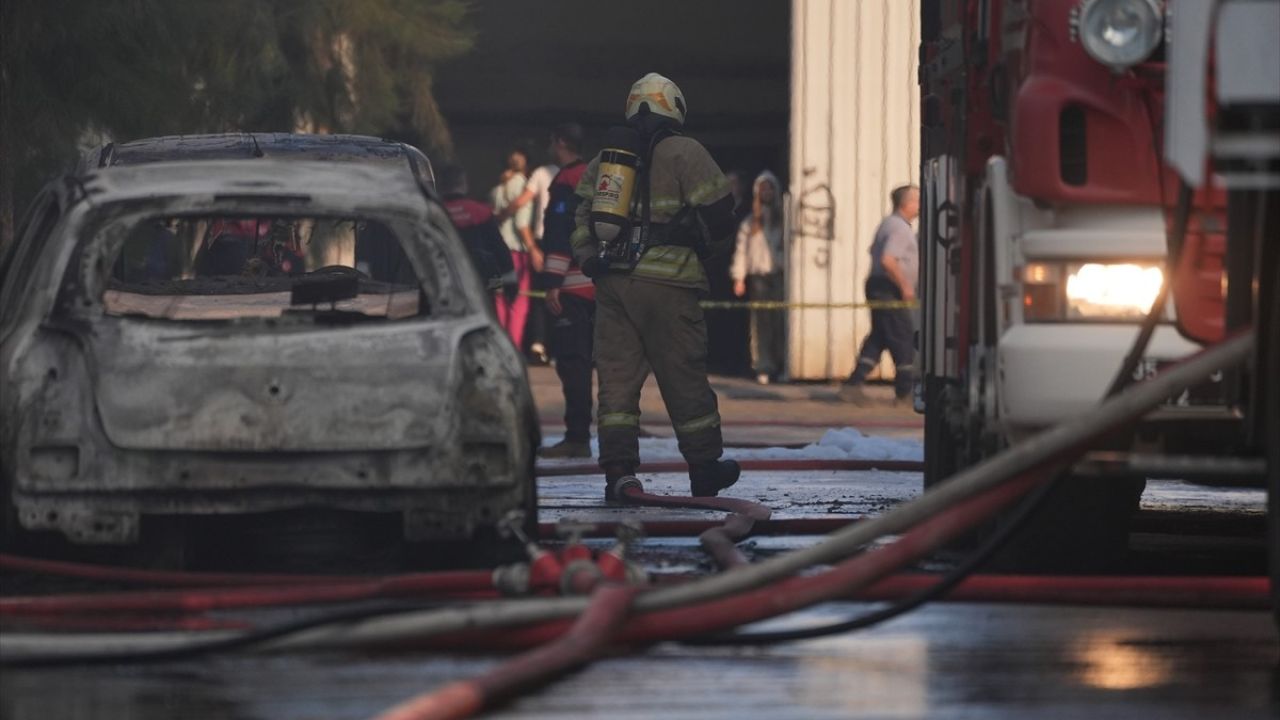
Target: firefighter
[654, 205]
[570, 296]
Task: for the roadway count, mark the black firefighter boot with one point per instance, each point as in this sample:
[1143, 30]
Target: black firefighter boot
[616, 478]
[708, 478]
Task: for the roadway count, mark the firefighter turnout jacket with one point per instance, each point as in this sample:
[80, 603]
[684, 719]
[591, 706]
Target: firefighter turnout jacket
[685, 185]
[649, 319]
[561, 269]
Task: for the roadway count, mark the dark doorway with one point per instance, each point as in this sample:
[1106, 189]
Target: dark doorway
[538, 64]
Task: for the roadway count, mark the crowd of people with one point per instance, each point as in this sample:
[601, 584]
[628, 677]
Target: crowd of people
[519, 203]
[571, 294]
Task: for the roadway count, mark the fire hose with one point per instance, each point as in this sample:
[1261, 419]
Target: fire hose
[720, 541]
[454, 585]
[747, 465]
[300, 590]
[86, 571]
[969, 497]
[588, 636]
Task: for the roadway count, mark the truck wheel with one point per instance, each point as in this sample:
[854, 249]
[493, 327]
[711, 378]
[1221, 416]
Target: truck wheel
[940, 461]
[10, 528]
[1082, 526]
[1269, 396]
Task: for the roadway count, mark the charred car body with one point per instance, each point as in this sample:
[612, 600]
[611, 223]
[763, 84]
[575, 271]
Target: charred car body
[248, 336]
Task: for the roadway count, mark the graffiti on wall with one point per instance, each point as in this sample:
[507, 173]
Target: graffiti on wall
[816, 213]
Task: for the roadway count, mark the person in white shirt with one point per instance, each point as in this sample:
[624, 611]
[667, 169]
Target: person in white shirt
[535, 197]
[517, 233]
[757, 273]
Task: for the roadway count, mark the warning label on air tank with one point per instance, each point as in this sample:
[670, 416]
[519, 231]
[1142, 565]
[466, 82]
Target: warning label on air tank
[614, 188]
[609, 191]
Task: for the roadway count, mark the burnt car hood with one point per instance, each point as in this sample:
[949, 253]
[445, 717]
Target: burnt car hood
[365, 387]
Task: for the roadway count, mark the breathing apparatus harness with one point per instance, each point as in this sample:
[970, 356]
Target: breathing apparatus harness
[624, 190]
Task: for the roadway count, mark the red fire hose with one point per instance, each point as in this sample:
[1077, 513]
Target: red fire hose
[124, 624]
[1219, 593]
[678, 466]
[693, 528]
[783, 597]
[108, 573]
[904, 423]
[471, 585]
[719, 541]
[589, 634]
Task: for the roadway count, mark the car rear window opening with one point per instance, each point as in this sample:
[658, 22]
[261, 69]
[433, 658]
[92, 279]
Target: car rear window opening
[227, 268]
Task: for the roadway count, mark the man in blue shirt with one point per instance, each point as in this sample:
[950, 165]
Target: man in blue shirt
[895, 266]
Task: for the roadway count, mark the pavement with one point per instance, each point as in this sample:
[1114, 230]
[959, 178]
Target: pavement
[774, 414]
[957, 660]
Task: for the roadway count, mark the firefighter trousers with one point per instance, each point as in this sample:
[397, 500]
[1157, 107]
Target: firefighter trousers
[641, 326]
[571, 337]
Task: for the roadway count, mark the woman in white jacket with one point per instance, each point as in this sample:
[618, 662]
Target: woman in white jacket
[757, 273]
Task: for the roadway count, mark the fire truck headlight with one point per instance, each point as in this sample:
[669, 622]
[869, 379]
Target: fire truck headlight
[1120, 33]
[1120, 291]
[1042, 291]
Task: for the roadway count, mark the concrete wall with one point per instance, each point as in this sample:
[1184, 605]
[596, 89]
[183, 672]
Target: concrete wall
[854, 137]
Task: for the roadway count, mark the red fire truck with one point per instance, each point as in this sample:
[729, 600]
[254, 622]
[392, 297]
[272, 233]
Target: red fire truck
[1049, 213]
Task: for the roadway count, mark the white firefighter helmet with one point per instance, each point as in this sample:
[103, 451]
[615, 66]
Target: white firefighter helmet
[659, 95]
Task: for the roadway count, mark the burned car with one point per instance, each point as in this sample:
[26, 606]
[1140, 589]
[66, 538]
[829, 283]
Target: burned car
[239, 337]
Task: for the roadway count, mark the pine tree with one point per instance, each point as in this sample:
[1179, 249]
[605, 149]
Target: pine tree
[72, 72]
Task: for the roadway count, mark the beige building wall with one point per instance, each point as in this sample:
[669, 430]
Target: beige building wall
[854, 137]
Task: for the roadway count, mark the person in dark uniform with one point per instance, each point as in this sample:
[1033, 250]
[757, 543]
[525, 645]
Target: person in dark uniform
[895, 267]
[570, 297]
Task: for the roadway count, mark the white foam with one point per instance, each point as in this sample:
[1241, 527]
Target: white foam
[836, 444]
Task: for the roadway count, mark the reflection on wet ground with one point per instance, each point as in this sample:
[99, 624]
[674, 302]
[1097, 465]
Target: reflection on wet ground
[945, 661]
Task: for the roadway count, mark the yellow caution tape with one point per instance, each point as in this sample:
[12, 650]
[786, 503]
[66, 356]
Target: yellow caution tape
[783, 305]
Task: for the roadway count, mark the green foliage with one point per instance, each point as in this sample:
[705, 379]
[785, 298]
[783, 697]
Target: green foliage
[75, 71]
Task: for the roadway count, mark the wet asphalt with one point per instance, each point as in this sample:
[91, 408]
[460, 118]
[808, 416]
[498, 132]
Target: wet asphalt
[947, 660]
